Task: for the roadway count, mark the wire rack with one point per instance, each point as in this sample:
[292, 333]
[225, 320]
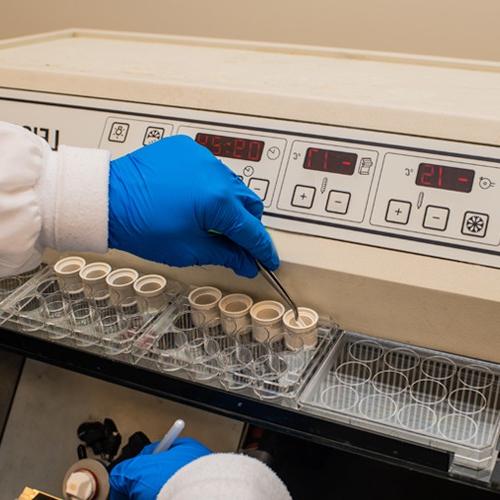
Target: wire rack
[80, 317]
[444, 401]
[270, 370]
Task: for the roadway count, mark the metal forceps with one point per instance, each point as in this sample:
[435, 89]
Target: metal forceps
[273, 280]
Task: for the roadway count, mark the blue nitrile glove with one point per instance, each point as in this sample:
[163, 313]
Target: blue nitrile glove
[142, 477]
[174, 202]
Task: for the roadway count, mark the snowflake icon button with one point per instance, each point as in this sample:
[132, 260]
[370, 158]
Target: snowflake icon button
[475, 224]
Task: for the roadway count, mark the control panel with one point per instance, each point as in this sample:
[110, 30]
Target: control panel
[413, 194]
[328, 179]
[456, 200]
[255, 158]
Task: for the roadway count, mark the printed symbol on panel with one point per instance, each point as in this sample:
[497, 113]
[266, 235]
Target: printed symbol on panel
[248, 171]
[365, 166]
[324, 183]
[420, 199]
[486, 183]
[475, 224]
[152, 135]
[273, 152]
[118, 132]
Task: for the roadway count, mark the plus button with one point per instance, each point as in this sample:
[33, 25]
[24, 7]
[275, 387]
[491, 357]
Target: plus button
[398, 212]
[303, 196]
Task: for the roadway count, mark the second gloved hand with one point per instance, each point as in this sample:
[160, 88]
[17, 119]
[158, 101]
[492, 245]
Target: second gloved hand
[142, 477]
[174, 202]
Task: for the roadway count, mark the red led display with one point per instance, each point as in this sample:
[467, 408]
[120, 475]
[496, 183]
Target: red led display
[442, 177]
[232, 147]
[325, 160]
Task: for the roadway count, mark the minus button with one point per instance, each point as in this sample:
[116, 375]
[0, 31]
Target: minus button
[436, 218]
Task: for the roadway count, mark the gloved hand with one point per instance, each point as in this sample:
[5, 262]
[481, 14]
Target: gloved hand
[168, 199]
[142, 477]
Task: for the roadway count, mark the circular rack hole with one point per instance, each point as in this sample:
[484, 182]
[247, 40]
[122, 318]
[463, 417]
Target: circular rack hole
[353, 373]
[339, 397]
[366, 351]
[460, 428]
[417, 417]
[476, 377]
[401, 359]
[468, 401]
[428, 391]
[390, 382]
[378, 407]
[438, 368]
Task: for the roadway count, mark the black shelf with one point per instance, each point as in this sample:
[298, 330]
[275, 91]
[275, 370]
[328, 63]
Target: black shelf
[241, 407]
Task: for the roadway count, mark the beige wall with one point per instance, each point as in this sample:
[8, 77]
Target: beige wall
[457, 28]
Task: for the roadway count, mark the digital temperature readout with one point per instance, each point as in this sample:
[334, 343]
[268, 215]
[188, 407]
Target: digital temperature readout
[442, 177]
[232, 147]
[325, 160]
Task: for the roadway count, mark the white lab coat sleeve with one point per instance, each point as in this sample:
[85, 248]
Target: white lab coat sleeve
[224, 476]
[49, 199]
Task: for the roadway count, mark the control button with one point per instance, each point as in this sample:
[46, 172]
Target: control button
[259, 186]
[303, 196]
[273, 153]
[118, 132]
[475, 224]
[436, 217]
[398, 211]
[338, 202]
[248, 171]
[153, 134]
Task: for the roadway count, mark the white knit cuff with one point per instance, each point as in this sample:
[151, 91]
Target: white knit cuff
[224, 476]
[74, 195]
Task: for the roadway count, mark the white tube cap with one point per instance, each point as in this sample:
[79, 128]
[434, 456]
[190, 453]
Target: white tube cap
[81, 485]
